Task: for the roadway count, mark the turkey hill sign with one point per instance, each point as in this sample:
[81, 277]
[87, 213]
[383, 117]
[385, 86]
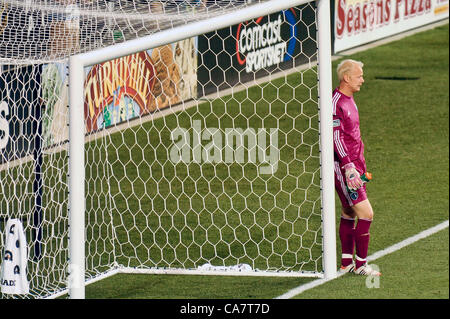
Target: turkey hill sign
[119, 90]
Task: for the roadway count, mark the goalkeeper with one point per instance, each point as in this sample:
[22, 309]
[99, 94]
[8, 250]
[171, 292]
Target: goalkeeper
[348, 166]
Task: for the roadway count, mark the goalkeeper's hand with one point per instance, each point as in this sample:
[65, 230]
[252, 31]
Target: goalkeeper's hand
[352, 177]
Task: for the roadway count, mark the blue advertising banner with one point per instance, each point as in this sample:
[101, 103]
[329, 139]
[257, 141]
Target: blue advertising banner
[256, 48]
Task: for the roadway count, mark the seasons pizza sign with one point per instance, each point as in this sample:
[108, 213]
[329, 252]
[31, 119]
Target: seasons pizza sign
[362, 21]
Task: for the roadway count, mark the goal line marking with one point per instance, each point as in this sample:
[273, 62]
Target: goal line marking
[408, 241]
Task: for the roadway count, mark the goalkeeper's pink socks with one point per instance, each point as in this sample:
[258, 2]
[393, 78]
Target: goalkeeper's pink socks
[346, 234]
[352, 237]
[362, 237]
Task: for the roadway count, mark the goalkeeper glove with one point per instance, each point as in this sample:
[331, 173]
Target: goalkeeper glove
[352, 177]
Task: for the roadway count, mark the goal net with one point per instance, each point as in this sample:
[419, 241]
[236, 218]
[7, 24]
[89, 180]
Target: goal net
[182, 137]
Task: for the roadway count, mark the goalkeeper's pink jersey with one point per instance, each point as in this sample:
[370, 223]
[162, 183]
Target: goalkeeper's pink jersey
[348, 145]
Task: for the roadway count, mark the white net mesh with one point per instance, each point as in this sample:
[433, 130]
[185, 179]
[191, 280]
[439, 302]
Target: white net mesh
[200, 153]
[49, 30]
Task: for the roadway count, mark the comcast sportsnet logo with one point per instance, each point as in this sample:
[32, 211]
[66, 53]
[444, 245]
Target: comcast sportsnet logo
[266, 41]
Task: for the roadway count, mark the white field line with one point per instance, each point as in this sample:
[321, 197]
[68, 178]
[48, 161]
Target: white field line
[408, 241]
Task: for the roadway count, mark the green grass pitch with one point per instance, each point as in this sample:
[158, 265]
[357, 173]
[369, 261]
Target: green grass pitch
[405, 128]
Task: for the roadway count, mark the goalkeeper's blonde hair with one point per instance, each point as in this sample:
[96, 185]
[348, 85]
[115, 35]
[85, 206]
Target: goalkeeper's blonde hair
[346, 66]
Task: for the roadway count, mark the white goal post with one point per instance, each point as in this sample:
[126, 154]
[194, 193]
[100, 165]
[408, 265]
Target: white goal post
[76, 131]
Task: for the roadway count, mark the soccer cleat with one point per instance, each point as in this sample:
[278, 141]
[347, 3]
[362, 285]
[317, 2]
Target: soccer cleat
[366, 270]
[347, 269]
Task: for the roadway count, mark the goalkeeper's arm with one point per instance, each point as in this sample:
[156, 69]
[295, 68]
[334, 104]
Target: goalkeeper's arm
[352, 176]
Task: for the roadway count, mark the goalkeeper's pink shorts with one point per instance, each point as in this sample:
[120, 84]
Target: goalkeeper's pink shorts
[348, 199]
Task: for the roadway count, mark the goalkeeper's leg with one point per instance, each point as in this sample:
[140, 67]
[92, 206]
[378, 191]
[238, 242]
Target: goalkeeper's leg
[346, 235]
[364, 212]
[351, 236]
[347, 223]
